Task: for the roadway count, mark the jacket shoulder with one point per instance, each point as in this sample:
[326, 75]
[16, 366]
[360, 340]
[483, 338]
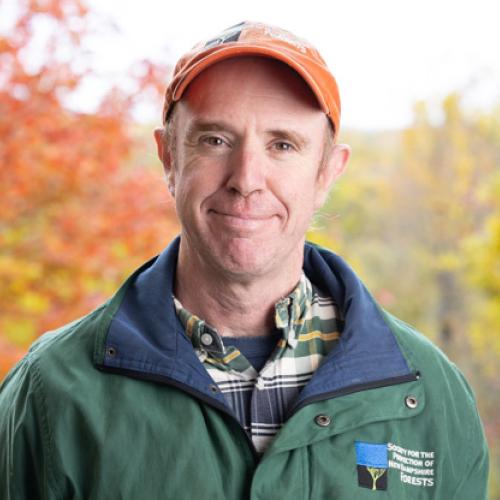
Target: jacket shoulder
[50, 356]
[66, 344]
[57, 363]
[450, 406]
[421, 353]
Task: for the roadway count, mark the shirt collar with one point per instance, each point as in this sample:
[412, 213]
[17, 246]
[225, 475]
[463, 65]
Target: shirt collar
[202, 335]
[290, 312]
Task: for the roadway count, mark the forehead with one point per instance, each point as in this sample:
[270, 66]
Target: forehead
[250, 80]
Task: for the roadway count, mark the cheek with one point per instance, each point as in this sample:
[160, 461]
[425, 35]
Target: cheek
[298, 196]
[192, 189]
[186, 200]
[298, 191]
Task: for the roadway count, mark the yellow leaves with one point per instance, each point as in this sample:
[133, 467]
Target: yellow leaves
[490, 253]
[485, 334]
[321, 238]
[484, 337]
[452, 108]
[119, 250]
[16, 272]
[20, 331]
[447, 261]
[33, 302]
[420, 114]
[12, 235]
[482, 251]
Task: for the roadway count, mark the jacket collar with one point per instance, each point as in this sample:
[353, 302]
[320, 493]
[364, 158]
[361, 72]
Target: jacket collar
[140, 334]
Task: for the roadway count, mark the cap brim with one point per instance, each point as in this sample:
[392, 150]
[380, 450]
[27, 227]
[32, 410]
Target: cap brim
[230, 51]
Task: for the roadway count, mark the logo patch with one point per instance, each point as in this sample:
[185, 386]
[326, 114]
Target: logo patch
[372, 464]
[231, 34]
[415, 467]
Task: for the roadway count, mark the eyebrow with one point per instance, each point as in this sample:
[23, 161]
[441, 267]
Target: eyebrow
[202, 126]
[289, 135]
[221, 126]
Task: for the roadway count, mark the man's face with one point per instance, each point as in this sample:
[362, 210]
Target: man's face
[245, 169]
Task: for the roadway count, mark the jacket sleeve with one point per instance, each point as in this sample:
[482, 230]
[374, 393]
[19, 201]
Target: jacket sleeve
[474, 481]
[23, 436]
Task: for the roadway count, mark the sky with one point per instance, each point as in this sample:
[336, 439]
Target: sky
[385, 54]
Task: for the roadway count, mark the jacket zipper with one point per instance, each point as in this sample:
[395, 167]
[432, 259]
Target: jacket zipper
[412, 377]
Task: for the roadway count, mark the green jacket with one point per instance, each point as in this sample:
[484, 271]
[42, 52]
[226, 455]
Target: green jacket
[117, 406]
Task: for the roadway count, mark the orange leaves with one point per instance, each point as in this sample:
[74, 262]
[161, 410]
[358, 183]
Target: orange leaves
[10, 354]
[151, 77]
[76, 213]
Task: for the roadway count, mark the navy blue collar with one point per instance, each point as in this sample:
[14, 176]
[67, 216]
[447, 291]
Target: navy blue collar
[146, 339]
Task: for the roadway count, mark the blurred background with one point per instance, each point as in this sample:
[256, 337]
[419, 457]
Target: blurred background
[417, 213]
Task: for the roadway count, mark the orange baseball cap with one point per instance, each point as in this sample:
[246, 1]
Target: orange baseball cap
[251, 38]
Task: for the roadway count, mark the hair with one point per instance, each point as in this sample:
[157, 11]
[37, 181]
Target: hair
[169, 135]
[328, 143]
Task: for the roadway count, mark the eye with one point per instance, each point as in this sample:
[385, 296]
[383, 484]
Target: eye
[283, 146]
[213, 140]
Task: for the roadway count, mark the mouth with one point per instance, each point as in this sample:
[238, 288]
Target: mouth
[241, 220]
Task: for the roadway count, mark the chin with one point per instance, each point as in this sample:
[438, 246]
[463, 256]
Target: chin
[244, 257]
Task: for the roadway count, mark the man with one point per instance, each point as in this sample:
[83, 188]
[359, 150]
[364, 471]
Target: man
[242, 362]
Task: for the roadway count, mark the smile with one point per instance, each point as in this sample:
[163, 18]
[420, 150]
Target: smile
[242, 221]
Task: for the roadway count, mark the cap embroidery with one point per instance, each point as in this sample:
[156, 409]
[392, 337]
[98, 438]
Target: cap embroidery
[232, 34]
[287, 37]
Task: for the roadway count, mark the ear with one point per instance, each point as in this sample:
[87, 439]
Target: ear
[165, 155]
[330, 171]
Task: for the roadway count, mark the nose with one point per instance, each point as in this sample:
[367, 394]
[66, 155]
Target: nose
[247, 170]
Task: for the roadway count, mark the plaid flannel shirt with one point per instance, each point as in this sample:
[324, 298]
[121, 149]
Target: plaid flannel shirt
[310, 326]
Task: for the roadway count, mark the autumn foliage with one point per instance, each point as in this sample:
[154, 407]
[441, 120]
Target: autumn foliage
[84, 202]
[75, 213]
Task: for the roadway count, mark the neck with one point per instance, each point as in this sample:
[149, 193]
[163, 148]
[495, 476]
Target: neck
[236, 306]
